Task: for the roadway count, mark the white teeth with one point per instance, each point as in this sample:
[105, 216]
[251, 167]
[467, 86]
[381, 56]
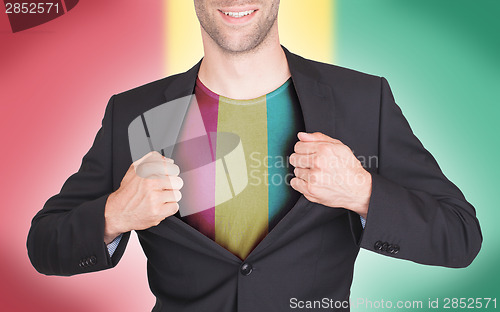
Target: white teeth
[239, 14]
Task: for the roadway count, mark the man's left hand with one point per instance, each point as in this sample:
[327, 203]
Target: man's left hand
[327, 172]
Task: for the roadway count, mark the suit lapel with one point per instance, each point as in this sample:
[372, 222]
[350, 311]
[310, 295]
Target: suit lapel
[317, 104]
[183, 85]
[316, 99]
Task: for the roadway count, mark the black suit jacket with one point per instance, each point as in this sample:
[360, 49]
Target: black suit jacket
[415, 212]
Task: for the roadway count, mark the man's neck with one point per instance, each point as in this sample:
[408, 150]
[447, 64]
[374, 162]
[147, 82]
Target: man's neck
[244, 76]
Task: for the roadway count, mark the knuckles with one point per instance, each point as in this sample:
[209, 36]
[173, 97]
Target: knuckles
[177, 195]
[314, 175]
[296, 147]
[325, 149]
[173, 169]
[291, 159]
[171, 208]
[311, 190]
[179, 183]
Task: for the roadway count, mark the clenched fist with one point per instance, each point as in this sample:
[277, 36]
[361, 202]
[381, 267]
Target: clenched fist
[327, 172]
[148, 193]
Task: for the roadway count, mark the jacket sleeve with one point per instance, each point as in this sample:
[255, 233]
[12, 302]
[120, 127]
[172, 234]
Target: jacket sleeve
[415, 212]
[67, 236]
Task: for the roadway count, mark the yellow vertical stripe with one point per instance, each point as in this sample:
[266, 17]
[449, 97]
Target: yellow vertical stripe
[306, 28]
[242, 222]
[183, 44]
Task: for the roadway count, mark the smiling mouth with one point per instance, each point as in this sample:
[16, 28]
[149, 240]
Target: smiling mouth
[239, 14]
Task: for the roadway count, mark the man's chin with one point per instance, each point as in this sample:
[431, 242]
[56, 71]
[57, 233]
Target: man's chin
[239, 46]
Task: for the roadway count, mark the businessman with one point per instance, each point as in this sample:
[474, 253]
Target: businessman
[265, 242]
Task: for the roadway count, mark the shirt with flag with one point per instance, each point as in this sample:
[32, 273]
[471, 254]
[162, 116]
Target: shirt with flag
[267, 128]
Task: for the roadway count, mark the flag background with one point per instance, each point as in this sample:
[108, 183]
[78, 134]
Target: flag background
[440, 57]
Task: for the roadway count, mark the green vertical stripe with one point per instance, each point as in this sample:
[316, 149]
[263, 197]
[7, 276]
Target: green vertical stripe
[284, 121]
[442, 61]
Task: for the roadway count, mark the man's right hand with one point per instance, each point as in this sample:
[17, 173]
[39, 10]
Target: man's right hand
[148, 193]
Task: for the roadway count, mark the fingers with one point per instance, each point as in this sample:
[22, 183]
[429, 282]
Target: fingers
[301, 173]
[302, 161]
[317, 147]
[152, 154]
[311, 176]
[157, 169]
[302, 147]
[165, 183]
[164, 211]
[171, 208]
[317, 137]
[301, 186]
[171, 183]
[170, 196]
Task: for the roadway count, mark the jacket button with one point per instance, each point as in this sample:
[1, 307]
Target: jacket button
[83, 263]
[384, 246]
[246, 269]
[396, 249]
[378, 245]
[390, 249]
[93, 260]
